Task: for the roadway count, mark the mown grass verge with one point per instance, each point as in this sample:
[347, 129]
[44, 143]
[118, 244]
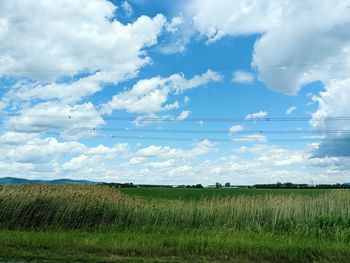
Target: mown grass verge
[142, 245]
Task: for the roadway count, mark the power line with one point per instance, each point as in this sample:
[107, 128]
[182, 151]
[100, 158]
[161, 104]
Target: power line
[167, 119]
[231, 67]
[233, 140]
[182, 131]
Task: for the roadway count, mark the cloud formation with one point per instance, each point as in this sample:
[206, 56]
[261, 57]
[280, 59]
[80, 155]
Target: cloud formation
[151, 95]
[242, 77]
[313, 49]
[298, 44]
[256, 115]
[291, 109]
[77, 35]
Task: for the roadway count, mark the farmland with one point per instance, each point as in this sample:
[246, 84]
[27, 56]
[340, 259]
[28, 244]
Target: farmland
[196, 194]
[99, 223]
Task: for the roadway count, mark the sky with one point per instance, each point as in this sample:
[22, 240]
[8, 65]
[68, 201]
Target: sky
[175, 92]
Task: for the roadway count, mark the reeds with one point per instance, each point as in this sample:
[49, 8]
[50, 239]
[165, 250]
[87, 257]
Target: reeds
[101, 207]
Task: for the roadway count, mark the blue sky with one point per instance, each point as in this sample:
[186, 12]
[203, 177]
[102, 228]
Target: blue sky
[157, 92]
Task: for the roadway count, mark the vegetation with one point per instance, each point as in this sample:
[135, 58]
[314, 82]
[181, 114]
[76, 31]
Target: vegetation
[197, 194]
[168, 245]
[296, 225]
[280, 185]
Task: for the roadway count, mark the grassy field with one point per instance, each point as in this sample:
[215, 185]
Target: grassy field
[97, 223]
[196, 194]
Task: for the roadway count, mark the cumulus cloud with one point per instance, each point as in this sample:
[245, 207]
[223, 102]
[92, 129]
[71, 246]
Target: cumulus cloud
[69, 121]
[70, 92]
[297, 46]
[161, 165]
[77, 35]
[242, 77]
[150, 95]
[95, 156]
[39, 150]
[285, 61]
[291, 109]
[200, 148]
[174, 24]
[127, 8]
[217, 18]
[179, 34]
[136, 160]
[154, 118]
[183, 115]
[236, 128]
[256, 115]
[165, 164]
[79, 48]
[332, 114]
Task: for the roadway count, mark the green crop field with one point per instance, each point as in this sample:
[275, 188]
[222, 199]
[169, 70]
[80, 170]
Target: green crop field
[195, 194]
[103, 224]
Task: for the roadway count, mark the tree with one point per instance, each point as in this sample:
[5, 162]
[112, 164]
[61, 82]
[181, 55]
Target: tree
[218, 185]
[228, 184]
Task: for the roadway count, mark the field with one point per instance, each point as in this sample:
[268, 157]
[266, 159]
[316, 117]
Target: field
[196, 194]
[102, 224]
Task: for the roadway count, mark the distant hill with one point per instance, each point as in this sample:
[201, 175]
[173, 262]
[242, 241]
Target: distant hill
[16, 181]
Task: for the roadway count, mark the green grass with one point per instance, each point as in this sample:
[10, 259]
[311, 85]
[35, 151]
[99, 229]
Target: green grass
[196, 194]
[102, 224]
[99, 207]
[166, 245]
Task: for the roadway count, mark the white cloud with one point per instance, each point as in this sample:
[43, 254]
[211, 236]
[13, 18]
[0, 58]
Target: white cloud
[161, 151]
[200, 148]
[39, 151]
[107, 151]
[242, 77]
[161, 165]
[236, 128]
[333, 103]
[95, 156]
[172, 106]
[75, 35]
[50, 158]
[153, 118]
[136, 160]
[294, 36]
[291, 109]
[127, 8]
[174, 24]
[251, 138]
[70, 121]
[217, 18]
[183, 115]
[27, 91]
[297, 46]
[179, 35]
[150, 95]
[17, 138]
[256, 115]
[174, 46]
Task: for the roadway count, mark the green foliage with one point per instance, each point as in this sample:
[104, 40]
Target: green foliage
[168, 245]
[96, 223]
[99, 207]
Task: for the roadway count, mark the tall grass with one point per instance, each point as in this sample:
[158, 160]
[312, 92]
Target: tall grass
[100, 207]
